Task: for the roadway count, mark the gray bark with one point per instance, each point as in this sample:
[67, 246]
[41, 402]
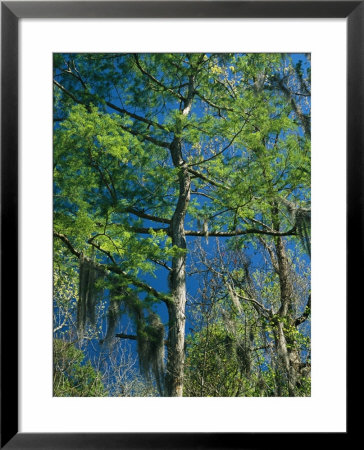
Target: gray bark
[289, 358]
[176, 309]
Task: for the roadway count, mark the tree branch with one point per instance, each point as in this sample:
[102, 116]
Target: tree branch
[67, 92]
[130, 336]
[67, 242]
[255, 302]
[214, 105]
[161, 263]
[113, 268]
[290, 232]
[144, 215]
[208, 180]
[146, 137]
[136, 116]
[159, 83]
[144, 230]
[306, 313]
[126, 336]
[90, 241]
[223, 150]
[271, 254]
[129, 130]
[109, 104]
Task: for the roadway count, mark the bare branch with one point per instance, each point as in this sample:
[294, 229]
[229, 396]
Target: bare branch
[126, 336]
[271, 254]
[268, 312]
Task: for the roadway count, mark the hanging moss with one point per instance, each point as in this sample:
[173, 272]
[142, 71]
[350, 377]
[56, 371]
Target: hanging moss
[150, 334]
[88, 293]
[244, 356]
[149, 330]
[82, 299]
[301, 219]
[113, 316]
[303, 224]
[92, 295]
[234, 298]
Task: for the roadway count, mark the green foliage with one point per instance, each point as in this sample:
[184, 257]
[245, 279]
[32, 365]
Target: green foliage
[212, 369]
[222, 364]
[72, 377]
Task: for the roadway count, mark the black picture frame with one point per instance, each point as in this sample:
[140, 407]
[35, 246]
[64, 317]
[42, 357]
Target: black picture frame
[11, 12]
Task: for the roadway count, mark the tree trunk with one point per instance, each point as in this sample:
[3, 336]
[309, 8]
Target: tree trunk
[175, 346]
[288, 357]
[176, 311]
[285, 369]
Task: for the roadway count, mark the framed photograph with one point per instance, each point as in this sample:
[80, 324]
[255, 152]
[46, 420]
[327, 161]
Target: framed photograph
[156, 179]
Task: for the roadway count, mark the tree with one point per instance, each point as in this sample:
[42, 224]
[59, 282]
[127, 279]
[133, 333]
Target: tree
[152, 149]
[239, 331]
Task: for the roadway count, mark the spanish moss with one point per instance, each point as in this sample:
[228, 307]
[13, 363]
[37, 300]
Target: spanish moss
[150, 334]
[303, 224]
[88, 294]
[113, 316]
